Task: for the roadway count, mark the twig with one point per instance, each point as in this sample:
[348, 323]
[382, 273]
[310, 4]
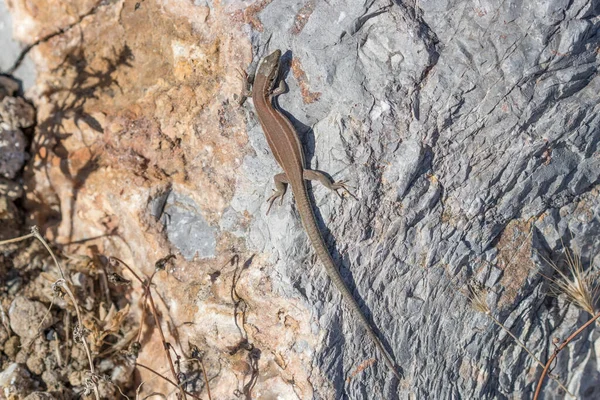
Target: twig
[205, 379]
[17, 239]
[167, 379]
[35, 232]
[63, 284]
[196, 356]
[162, 336]
[477, 297]
[557, 350]
[520, 344]
[146, 286]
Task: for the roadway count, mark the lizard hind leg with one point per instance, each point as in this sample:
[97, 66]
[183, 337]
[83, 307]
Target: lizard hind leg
[281, 182]
[313, 175]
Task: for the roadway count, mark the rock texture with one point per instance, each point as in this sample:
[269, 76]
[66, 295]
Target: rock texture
[12, 49]
[469, 131]
[16, 115]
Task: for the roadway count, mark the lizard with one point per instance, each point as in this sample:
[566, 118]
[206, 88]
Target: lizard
[285, 145]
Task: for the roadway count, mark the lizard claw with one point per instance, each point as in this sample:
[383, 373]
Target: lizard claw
[341, 185]
[242, 74]
[272, 199]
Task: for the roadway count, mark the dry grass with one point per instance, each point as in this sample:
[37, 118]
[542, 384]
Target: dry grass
[478, 298]
[580, 286]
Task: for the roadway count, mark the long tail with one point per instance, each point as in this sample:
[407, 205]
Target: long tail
[310, 226]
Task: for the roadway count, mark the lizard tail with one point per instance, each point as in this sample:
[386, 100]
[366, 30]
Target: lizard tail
[310, 226]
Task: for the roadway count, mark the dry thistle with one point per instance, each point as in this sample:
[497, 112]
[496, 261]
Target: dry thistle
[580, 287]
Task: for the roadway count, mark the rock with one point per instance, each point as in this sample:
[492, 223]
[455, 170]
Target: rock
[28, 317]
[39, 396]
[10, 189]
[52, 380]
[470, 133]
[4, 335]
[8, 87]
[12, 347]
[12, 152]
[10, 220]
[35, 363]
[16, 113]
[15, 381]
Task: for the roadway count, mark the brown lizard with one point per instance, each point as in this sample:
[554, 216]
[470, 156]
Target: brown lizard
[287, 150]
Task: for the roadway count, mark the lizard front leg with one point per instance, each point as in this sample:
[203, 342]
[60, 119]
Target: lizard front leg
[246, 86]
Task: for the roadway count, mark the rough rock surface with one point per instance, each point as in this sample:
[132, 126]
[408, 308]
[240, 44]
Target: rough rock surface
[28, 317]
[469, 131]
[12, 49]
[15, 380]
[15, 114]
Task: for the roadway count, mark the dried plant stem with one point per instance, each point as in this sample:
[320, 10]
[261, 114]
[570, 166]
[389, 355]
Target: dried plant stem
[68, 343]
[478, 298]
[162, 336]
[167, 379]
[141, 281]
[557, 350]
[123, 263]
[520, 344]
[65, 286]
[17, 239]
[205, 379]
[35, 232]
[146, 284]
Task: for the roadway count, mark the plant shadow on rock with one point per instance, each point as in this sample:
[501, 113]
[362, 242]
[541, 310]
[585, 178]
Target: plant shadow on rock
[68, 103]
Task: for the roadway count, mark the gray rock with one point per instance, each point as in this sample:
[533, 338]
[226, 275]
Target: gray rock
[187, 229]
[455, 122]
[12, 152]
[16, 112]
[27, 317]
[15, 381]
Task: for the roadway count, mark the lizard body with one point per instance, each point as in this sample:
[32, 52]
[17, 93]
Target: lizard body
[287, 150]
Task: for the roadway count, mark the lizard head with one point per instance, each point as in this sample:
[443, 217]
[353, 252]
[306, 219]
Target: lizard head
[269, 67]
